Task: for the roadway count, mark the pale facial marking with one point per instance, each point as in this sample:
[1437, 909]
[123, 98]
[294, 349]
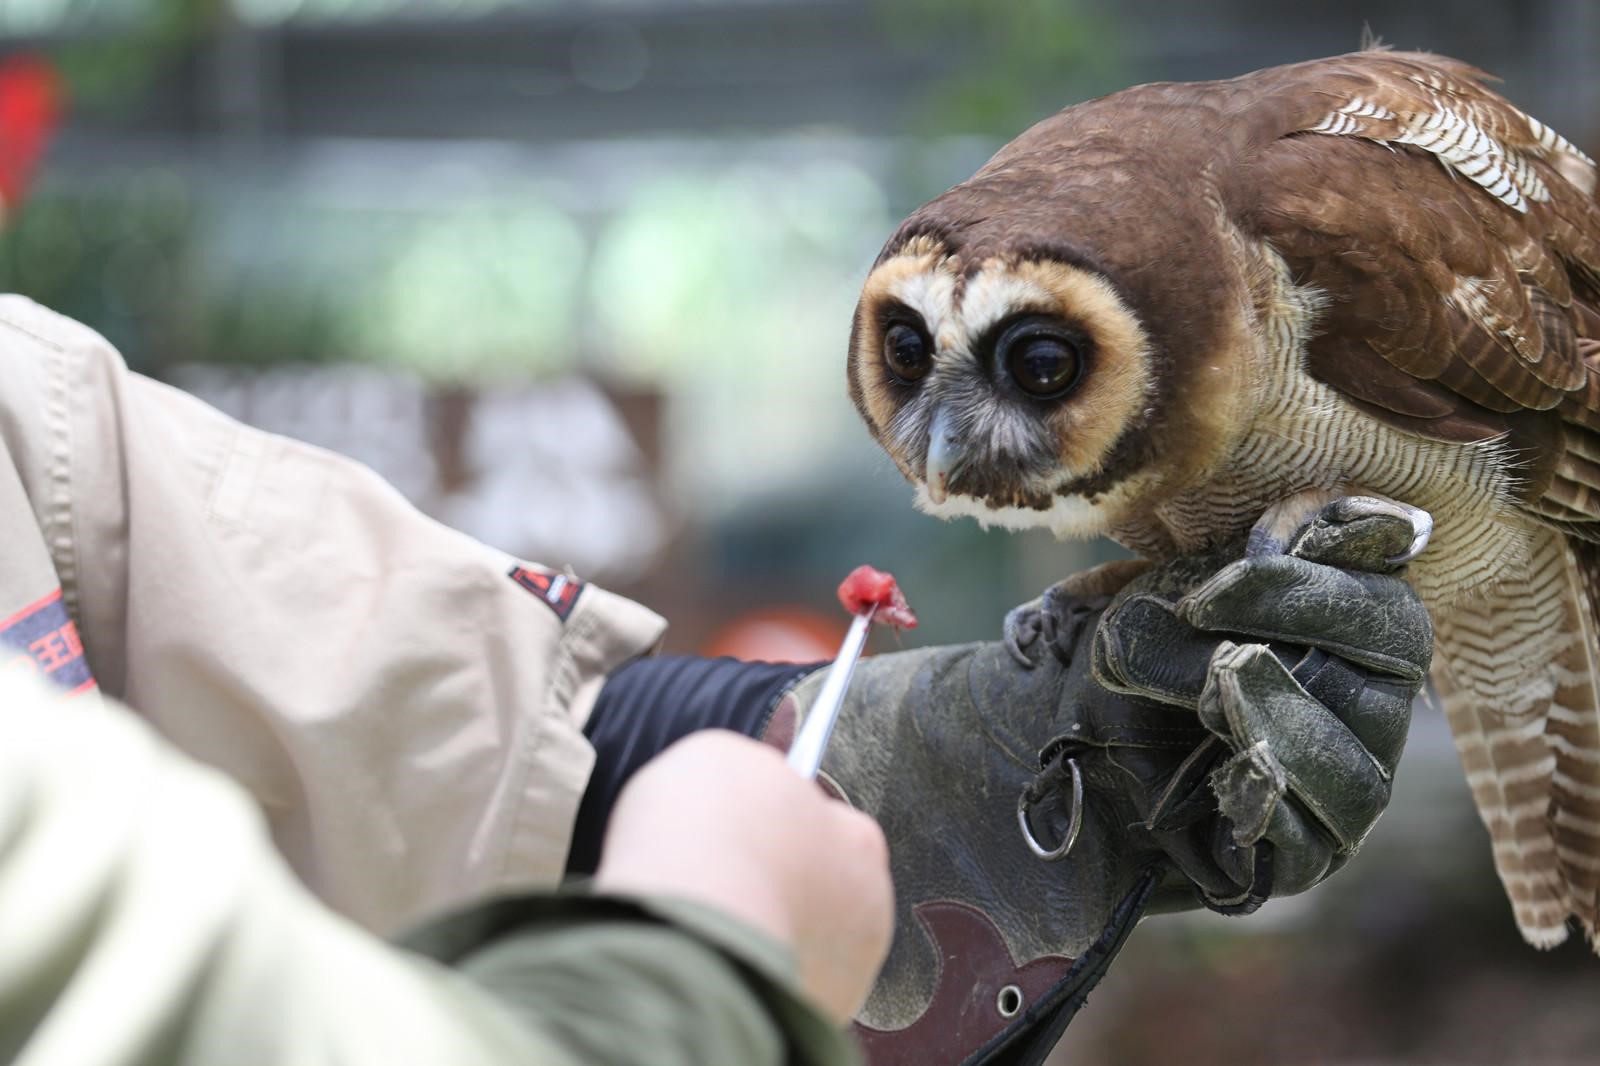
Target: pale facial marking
[1067, 516]
[999, 292]
[931, 294]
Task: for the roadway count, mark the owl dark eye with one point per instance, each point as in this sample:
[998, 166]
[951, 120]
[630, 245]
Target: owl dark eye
[1041, 358]
[905, 350]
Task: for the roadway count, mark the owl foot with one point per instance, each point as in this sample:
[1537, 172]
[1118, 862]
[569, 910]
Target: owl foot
[1055, 620]
[1280, 524]
[1053, 623]
[1300, 524]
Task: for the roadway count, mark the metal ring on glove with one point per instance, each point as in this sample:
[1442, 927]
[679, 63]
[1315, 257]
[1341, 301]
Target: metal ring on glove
[1031, 795]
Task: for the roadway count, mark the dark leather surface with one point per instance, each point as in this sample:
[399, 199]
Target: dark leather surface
[1211, 774]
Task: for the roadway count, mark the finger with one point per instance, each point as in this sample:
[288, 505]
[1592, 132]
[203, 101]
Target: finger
[1303, 855]
[1375, 707]
[1248, 788]
[1257, 809]
[1141, 648]
[1252, 701]
[1367, 618]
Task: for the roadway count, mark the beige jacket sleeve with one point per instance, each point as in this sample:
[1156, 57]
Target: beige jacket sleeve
[405, 704]
[144, 920]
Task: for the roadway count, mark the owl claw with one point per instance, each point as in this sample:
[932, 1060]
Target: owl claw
[1055, 621]
[1422, 524]
[1023, 627]
[1293, 525]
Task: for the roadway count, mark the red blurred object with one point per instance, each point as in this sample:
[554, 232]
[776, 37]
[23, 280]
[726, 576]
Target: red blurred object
[778, 635]
[867, 588]
[30, 104]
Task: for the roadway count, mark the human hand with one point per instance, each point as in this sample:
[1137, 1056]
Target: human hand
[721, 819]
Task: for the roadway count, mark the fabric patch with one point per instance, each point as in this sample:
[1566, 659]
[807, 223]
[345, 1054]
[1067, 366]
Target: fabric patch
[43, 638]
[558, 591]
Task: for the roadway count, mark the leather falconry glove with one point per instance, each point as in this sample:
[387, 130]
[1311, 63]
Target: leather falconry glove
[1208, 733]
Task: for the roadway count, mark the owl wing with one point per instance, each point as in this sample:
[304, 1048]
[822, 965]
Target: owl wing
[1457, 242]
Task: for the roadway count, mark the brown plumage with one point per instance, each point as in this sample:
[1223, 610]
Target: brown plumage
[1155, 314]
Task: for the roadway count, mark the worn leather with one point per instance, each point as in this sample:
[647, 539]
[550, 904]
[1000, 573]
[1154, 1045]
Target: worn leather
[1303, 666]
[1211, 774]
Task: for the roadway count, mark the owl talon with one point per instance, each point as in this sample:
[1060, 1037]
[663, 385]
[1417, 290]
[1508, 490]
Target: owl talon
[1022, 629]
[1056, 620]
[1422, 524]
[1300, 525]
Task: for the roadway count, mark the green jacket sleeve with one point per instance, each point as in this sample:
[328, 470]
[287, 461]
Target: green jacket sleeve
[610, 977]
[145, 918]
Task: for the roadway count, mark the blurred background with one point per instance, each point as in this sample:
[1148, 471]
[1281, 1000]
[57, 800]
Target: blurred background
[577, 276]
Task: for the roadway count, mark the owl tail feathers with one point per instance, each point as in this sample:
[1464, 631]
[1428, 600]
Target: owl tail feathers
[1573, 733]
[1518, 668]
[1509, 775]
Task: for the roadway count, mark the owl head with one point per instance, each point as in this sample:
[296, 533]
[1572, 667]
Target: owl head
[1048, 343]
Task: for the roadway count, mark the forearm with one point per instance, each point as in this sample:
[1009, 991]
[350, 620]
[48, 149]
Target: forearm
[404, 703]
[145, 918]
[606, 977]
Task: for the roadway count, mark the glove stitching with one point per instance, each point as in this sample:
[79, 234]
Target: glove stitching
[1390, 664]
[1251, 896]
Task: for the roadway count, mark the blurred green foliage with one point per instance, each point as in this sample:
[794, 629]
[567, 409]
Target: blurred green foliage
[118, 257]
[115, 51]
[460, 293]
[700, 265]
[1022, 58]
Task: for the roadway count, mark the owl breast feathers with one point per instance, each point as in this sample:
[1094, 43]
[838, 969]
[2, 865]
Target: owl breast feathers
[1156, 314]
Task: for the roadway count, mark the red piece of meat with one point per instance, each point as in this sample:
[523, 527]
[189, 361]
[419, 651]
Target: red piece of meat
[867, 588]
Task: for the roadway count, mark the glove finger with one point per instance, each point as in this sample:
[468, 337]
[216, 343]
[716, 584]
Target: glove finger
[1252, 795]
[1251, 700]
[1375, 707]
[1303, 855]
[1141, 648]
[1367, 618]
[1248, 788]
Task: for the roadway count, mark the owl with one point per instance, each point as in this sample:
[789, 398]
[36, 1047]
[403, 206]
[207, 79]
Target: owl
[1158, 314]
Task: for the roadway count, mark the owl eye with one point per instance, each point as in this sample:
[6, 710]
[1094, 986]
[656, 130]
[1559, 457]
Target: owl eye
[1040, 358]
[905, 350]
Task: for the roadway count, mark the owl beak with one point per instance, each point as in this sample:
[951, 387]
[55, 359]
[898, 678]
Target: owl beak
[946, 456]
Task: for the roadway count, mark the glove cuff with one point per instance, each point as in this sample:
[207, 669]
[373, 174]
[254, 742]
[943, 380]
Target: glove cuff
[987, 1008]
[1030, 1038]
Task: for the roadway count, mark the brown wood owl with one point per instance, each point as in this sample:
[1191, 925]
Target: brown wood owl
[1156, 314]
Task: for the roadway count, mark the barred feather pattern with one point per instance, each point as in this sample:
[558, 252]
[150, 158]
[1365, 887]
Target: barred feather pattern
[1515, 665]
[1305, 436]
[1513, 601]
[1492, 145]
[1574, 735]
